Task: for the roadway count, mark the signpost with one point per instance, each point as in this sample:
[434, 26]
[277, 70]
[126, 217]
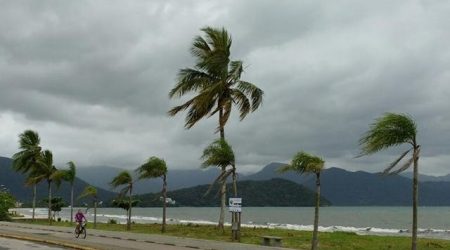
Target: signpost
[235, 207]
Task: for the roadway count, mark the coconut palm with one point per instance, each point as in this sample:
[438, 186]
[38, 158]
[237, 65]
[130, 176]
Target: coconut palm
[393, 130]
[307, 163]
[216, 82]
[25, 160]
[69, 176]
[45, 170]
[155, 167]
[219, 154]
[91, 191]
[124, 179]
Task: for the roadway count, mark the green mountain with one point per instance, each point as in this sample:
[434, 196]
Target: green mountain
[14, 182]
[269, 193]
[345, 188]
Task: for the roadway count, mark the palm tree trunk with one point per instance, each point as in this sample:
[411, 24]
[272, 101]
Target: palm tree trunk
[222, 203]
[34, 201]
[315, 239]
[95, 213]
[221, 127]
[164, 191]
[234, 182]
[129, 210]
[71, 204]
[415, 197]
[50, 202]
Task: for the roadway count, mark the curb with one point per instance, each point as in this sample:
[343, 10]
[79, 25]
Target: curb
[51, 242]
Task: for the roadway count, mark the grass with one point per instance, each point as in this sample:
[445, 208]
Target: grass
[291, 238]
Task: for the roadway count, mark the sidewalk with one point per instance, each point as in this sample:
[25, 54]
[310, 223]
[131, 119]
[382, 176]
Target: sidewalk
[99, 239]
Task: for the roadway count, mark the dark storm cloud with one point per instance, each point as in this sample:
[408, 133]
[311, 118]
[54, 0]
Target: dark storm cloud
[93, 76]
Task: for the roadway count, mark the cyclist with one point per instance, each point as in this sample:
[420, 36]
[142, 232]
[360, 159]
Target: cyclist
[79, 217]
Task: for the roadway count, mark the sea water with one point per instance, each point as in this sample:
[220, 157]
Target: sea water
[433, 221]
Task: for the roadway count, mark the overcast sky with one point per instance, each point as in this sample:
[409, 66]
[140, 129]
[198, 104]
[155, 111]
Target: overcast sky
[92, 77]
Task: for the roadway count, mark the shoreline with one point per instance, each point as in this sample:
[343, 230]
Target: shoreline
[443, 234]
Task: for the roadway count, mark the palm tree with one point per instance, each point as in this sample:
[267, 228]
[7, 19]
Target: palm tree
[124, 178]
[220, 154]
[45, 170]
[216, 81]
[155, 168]
[307, 163]
[393, 130]
[91, 191]
[25, 160]
[69, 176]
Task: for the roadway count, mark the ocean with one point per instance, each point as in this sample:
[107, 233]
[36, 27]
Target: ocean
[433, 221]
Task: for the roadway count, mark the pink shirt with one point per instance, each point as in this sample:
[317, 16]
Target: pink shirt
[79, 217]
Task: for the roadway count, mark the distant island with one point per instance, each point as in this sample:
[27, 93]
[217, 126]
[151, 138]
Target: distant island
[267, 193]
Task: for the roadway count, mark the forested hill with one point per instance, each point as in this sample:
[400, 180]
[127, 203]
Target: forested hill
[15, 182]
[269, 193]
[346, 188]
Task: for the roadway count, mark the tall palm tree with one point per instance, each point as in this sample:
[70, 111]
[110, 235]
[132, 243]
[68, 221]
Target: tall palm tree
[26, 159]
[155, 167]
[307, 163]
[216, 82]
[69, 176]
[390, 130]
[220, 154]
[45, 170]
[124, 179]
[91, 191]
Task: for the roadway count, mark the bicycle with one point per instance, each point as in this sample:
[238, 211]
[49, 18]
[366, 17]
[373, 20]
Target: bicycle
[81, 231]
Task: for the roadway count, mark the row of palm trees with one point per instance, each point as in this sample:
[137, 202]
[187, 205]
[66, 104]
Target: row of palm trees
[39, 167]
[154, 167]
[387, 131]
[215, 81]
[216, 86]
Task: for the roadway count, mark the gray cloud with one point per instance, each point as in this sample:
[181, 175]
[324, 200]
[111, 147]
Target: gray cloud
[93, 78]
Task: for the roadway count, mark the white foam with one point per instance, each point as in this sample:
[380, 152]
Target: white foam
[42, 213]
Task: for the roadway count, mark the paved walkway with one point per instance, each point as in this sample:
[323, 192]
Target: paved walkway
[99, 239]
[12, 244]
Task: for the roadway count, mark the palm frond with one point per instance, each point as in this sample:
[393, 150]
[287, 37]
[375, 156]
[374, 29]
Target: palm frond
[219, 153]
[303, 162]
[255, 93]
[29, 139]
[236, 69]
[123, 178]
[190, 80]
[221, 178]
[243, 103]
[89, 191]
[389, 130]
[70, 174]
[407, 164]
[394, 163]
[215, 59]
[154, 167]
